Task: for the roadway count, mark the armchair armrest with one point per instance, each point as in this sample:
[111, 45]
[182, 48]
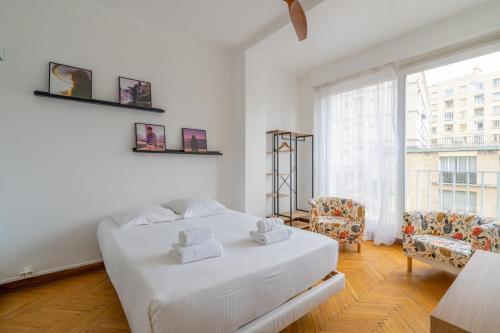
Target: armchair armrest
[411, 223]
[314, 209]
[486, 237]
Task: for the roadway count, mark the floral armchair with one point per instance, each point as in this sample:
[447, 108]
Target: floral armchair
[341, 219]
[447, 239]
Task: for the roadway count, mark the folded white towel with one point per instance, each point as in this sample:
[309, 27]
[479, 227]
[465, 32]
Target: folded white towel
[269, 224]
[185, 254]
[193, 236]
[271, 237]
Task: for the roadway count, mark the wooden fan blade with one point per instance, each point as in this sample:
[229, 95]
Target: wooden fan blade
[298, 18]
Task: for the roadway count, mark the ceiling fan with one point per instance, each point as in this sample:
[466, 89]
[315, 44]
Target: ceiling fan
[298, 18]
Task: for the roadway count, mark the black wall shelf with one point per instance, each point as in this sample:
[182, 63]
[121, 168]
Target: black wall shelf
[176, 151]
[97, 101]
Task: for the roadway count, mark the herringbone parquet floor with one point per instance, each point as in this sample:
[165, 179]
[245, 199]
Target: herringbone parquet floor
[379, 297]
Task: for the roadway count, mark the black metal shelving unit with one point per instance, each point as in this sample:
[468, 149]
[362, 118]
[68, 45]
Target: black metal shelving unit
[288, 142]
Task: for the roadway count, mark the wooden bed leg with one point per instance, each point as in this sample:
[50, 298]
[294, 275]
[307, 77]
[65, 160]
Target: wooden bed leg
[408, 264]
[359, 247]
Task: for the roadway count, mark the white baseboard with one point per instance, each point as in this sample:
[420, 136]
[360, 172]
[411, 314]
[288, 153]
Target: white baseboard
[54, 270]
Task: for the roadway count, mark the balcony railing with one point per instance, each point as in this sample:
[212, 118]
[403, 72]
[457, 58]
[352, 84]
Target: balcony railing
[460, 191]
[471, 141]
[479, 141]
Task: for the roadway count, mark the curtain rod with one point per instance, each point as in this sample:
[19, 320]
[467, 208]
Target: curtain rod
[450, 50]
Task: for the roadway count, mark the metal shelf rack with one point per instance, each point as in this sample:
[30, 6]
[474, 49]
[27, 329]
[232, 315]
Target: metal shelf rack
[285, 183]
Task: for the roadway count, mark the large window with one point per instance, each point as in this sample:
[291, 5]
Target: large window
[458, 169]
[456, 164]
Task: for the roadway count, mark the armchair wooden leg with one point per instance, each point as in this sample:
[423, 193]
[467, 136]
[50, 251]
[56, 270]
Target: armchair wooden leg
[359, 247]
[408, 264]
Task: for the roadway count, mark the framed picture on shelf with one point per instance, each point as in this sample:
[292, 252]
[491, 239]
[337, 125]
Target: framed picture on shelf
[194, 140]
[134, 92]
[70, 81]
[150, 137]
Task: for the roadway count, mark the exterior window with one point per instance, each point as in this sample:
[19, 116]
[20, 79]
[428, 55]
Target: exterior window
[477, 86]
[496, 83]
[448, 128]
[462, 102]
[479, 112]
[496, 96]
[479, 99]
[461, 166]
[460, 205]
[496, 109]
[463, 114]
[496, 124]
[479, 126]
[434, 107]
[434, 130]
[463, 127]
[463, 89]
[448, 92]
[478, 139]
[448, 104]
[448, 116]
[435, 117]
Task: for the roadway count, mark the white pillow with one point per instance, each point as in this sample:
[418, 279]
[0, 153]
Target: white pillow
[191, 208]
[145, 215]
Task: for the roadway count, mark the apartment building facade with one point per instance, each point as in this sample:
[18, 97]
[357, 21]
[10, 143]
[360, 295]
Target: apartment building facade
[458, 167]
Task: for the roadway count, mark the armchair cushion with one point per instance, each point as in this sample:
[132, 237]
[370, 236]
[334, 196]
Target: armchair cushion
[339, 227]
[444, 249]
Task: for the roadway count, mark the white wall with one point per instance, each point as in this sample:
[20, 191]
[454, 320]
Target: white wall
[272, 101]
[66, 165]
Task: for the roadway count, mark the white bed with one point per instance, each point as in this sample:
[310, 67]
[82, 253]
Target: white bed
[249, 288]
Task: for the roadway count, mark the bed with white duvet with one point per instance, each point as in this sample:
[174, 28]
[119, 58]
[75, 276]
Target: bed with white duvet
[251, 287]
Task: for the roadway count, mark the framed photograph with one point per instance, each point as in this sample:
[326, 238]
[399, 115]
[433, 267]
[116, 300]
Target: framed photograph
[194, 140]
[70, 81]
[149, 137]
[134, 92]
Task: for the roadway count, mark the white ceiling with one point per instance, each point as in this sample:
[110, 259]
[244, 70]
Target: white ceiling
[338, 28]
[226, 23]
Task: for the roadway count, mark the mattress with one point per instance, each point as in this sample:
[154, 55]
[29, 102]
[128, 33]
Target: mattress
[214, 295]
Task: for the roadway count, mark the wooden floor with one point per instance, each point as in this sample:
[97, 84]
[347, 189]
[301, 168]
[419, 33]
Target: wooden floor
[379, 297]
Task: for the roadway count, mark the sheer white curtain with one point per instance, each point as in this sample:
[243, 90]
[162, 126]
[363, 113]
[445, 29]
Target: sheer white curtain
[357, 148]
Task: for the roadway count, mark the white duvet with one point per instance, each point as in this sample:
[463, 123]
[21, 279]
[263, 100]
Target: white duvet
[213, 295]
